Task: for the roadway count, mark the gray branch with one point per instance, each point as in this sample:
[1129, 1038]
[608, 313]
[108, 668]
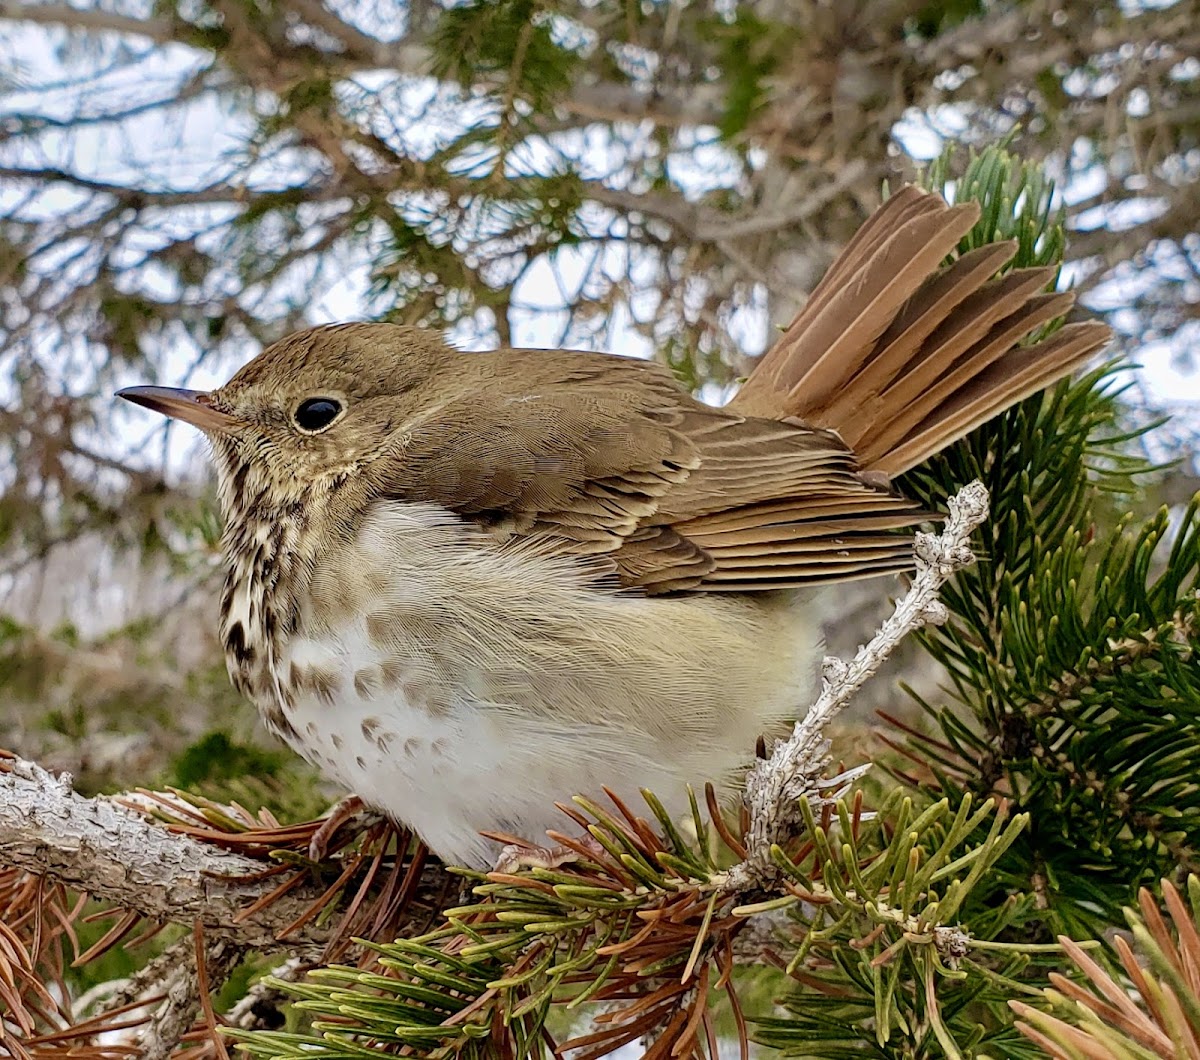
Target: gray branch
[160, 30]
[794, 772]
[120, 857]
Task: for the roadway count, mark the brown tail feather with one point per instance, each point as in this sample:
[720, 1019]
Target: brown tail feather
[902, 354]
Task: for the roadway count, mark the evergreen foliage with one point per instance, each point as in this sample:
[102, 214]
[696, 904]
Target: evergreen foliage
[1072, 684]
[1150, 1009]
[648, 928]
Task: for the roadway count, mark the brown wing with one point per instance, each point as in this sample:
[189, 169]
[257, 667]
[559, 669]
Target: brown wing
[600, 455]
[904, 346]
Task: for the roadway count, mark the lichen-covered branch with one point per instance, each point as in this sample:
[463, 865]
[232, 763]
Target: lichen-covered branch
[794, 770]
[174, 1017]
[121, 857]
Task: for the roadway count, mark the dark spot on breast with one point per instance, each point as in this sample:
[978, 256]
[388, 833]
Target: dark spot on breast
[313, 680]
[277, 722]
[366, 681]
[393, 673]
[370, 731]
[360, 762]
[235, 642]
[291, 617]
[422, 694]
[337, 741]
[240, 469]
[324, 684]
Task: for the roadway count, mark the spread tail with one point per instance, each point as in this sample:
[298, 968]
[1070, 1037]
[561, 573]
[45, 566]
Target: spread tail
[903, 352]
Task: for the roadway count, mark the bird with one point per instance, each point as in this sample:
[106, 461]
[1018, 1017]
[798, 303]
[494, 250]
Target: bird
[467, 586]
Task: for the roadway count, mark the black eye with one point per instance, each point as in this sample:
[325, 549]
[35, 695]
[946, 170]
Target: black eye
[317, 413]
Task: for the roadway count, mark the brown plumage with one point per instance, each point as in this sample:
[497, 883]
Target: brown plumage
[894, 357]
[549, 570]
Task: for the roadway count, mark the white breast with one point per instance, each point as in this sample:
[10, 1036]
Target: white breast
[449, 767]
[480, 683]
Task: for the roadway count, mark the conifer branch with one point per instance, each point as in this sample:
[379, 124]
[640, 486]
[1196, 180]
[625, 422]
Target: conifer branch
[121, 857]
[143, 986]
[1153, 1010]
[794, 771]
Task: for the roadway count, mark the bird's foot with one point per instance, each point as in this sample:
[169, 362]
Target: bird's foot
[342, 811]
[516, 856]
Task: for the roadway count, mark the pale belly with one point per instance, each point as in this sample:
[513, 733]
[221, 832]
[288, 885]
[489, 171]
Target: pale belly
[482, 685]
[458, 766]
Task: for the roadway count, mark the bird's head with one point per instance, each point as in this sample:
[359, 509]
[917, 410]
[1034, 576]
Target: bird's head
[311, 412]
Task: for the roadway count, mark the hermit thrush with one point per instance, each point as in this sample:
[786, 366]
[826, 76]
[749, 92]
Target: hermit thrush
[469, 585]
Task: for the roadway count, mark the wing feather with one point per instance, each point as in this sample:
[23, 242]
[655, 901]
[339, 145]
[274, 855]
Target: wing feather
[608, 458]
[906, 344]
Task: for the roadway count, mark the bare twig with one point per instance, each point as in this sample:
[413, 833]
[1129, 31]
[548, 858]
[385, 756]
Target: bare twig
[794, 770]
[160, 30]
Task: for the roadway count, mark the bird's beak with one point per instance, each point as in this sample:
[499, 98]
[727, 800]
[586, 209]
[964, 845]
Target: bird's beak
[191, 406]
